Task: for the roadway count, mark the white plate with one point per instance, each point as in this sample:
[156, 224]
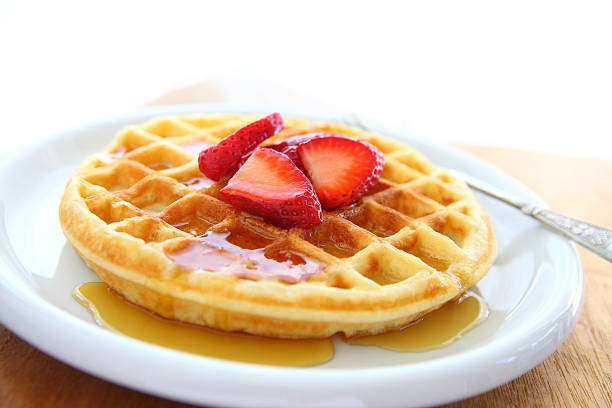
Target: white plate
[534, 292]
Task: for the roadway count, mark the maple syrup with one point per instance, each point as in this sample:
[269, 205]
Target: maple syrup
[195, 226]
[110, 310]
[434, 330]
[362, 218]
[334, 249]
[330, 246]
[245, 254]
[241, 237]
[332, 242]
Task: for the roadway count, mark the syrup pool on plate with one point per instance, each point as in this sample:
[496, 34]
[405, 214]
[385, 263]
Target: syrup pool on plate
[110, 310]
[434, 330]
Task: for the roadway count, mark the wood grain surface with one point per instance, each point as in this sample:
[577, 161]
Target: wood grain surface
[578, 374]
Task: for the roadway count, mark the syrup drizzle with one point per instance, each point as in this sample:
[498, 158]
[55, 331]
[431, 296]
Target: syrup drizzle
[110, 310]
[329, 245]
[196, 226]
[243, 253]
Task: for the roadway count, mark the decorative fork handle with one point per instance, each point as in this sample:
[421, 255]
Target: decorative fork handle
[597, 239]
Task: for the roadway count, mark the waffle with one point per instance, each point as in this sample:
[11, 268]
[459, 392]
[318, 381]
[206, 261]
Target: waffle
[154, 228]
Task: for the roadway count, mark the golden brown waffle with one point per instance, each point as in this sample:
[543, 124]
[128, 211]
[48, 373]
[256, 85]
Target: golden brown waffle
[417, 241]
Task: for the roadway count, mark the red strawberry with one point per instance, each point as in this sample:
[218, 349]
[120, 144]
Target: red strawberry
[291, 152]
[289, 146]
[342, 170]
[243, 159]
[269, 185]
[217, 160]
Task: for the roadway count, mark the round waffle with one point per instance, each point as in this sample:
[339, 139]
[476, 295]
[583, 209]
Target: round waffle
[154, 228]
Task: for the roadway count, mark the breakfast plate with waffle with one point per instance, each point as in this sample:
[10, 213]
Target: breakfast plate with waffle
[206, 232]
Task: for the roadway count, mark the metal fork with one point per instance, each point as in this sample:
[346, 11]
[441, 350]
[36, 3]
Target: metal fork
[593, 237]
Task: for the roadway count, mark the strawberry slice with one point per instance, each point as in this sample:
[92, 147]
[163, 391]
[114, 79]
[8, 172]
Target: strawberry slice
[289, 146]
[217, 160]
[269, 185]
[342, 170]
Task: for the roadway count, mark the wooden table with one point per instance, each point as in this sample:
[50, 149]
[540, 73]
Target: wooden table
[578, 374]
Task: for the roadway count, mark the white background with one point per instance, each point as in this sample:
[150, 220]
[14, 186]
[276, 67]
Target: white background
[535, 75]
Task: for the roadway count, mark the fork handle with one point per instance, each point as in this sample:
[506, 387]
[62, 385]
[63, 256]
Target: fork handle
[597, 239]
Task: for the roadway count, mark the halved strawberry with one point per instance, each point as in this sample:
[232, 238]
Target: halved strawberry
[243, 159]
[269, 185]
[341, 169]
[217, 160]
[289, 146]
